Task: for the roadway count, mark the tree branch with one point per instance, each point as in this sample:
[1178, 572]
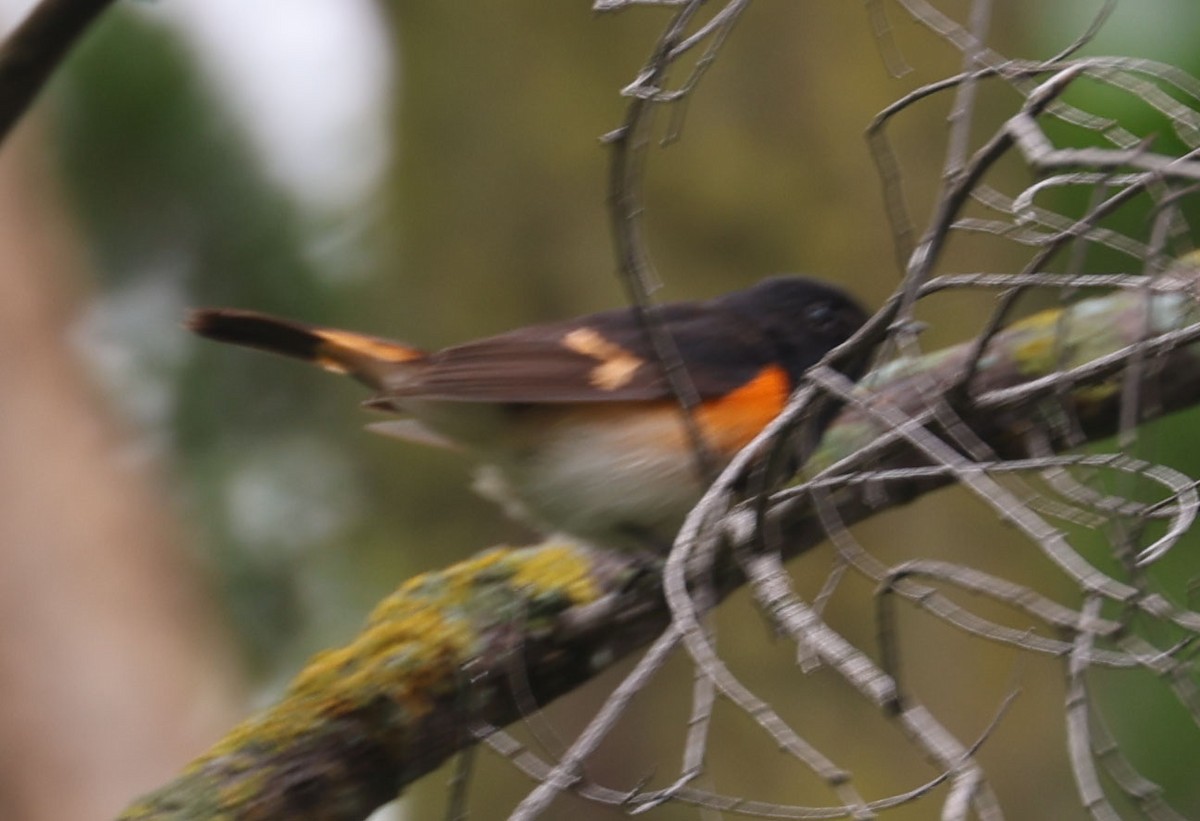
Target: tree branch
[34, 50]
[436, 658]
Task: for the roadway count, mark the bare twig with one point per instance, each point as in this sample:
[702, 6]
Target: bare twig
[625, 212]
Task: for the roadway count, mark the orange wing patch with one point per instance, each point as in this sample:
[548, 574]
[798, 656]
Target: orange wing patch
[617, 365]
[729, 423]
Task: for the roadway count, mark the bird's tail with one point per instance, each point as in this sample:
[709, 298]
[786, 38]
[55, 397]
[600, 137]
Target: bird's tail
[367, 358]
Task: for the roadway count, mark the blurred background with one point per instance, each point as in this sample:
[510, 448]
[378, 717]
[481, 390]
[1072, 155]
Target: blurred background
[182, 524]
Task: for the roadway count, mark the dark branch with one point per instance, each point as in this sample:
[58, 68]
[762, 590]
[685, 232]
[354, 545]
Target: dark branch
[35, 49]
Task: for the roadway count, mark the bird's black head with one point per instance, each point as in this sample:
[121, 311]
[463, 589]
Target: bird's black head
[805, 318]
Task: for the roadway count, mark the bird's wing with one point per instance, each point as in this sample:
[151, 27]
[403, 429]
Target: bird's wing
[603, 357]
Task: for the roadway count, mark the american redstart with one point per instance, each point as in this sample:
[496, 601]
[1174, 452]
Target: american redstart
[576, 425]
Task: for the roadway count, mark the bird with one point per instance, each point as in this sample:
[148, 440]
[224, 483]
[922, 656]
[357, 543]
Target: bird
[574, 424]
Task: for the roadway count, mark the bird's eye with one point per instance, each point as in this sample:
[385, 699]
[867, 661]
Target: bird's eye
[820, 316]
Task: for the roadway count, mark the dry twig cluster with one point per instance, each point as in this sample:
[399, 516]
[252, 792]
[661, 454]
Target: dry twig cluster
[1022, 476]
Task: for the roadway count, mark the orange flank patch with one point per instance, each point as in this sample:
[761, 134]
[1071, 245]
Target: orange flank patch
[729, 423]
[342, 347]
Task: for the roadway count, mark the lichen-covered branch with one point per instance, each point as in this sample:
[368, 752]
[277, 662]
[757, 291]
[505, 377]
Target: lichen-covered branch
[435, 659]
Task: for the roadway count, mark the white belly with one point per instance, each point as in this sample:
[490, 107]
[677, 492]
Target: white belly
[616, 478]
[615, 474]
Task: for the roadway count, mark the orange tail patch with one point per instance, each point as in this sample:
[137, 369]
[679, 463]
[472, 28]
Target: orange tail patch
[367, 358]
[342, 351]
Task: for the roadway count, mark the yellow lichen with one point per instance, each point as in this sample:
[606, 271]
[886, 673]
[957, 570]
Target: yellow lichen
[560, 569]
[1041, 322]
[1037, 349]
[1095, 394]
[414, 643]
[1036, 356]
